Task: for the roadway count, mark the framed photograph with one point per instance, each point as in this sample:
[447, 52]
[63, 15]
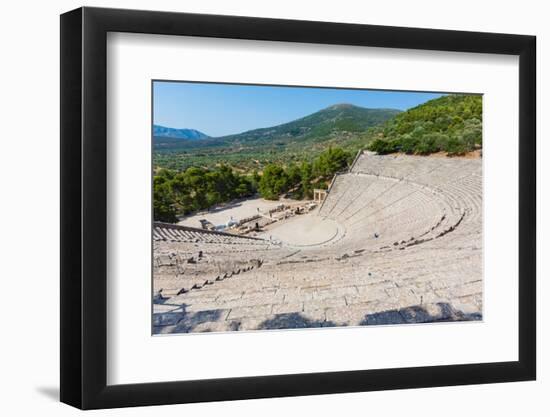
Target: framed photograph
[257, 208]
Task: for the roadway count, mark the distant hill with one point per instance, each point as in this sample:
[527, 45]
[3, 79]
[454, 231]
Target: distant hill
[317, 127]
[452, 124]
[337, 121]
[168, 132]
[336, 125]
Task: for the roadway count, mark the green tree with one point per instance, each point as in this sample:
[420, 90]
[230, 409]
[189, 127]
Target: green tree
[408, 143]
[273, 182]
[472, 132]
[429, 144]
[455, 146]
[306, 174]
[382, 146]
[294, 175]
[196, 180]
[452, 123]
[196, 189]
[163, 208]
[330, 161]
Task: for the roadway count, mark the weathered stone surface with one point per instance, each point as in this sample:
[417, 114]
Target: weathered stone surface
[288, 308]
[407, 249]
[330, 293]
[252, 311]
[367, 293]
[383, 317]
[293, 321]
[315, 315]
[218, 326]
[404, 296]
[324, 304]
[296, 295]
[348, 316]
[165, 319]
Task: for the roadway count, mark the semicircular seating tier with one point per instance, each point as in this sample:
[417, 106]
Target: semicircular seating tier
[403, 244]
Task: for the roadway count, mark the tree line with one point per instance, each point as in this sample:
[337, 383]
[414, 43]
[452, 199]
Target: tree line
[180, 193]
[452, 124]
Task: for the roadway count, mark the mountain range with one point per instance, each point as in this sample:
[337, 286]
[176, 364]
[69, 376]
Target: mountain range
[169, 132]
[451, 123]
[339, 120]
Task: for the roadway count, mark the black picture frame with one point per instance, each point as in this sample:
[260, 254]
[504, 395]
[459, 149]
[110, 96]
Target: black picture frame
[84, 207]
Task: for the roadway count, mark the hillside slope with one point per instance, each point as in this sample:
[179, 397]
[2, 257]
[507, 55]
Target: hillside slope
[169, 132]
[451, 124]
[338, 125]
[317, 127]
[167, 137]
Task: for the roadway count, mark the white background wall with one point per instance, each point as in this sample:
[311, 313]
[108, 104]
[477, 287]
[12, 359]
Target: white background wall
[29, 175]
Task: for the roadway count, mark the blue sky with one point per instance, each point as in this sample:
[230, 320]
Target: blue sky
[223, 109]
